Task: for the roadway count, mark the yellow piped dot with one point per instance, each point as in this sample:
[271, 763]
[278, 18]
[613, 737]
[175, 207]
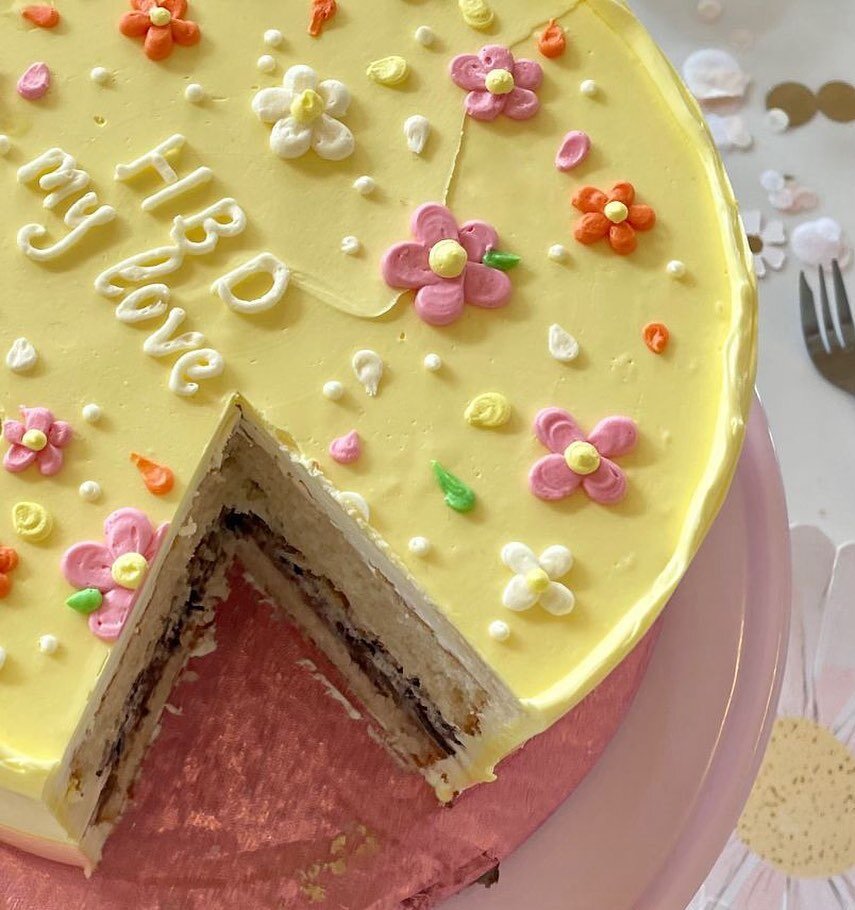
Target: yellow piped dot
[129, 570]
[159, 16]
[582, 458]
[500, 82]
[307, 106]
[391, 70]
[537, 581]
[31, 521]
[447, 259]
[616, 211]
[34, 440]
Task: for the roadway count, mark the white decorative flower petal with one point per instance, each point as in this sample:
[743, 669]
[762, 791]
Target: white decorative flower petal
[299, 78]
[331, 139]
[290, 139]
[518, 596]
[774, 232]
[556, 561]
[271, 104]
[519, 558]
[759, 267]
[775, 257]
[336, 97]
[752, 221]
[557, 599]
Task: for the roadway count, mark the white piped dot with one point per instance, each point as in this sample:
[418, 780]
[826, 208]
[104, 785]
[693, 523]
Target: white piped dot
[499, 630]
[90, 491]
[273, 37]
[419, 546]
[557, 252]
[365, 185]
[589, 88]
[92, 413]
[48, 644]
[425, 35]
[2, 657]
[333, 390]
[100, 75]
[194, 93]
[433, 362]
[266, 63]
[676, 268]
[5, 144]
[350, 245]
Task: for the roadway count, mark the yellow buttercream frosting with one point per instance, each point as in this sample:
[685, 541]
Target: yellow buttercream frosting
[689, 403]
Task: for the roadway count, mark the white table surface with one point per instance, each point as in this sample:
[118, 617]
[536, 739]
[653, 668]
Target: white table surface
[812, 42]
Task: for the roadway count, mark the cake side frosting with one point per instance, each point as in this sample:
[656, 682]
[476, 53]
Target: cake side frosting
[454, 422]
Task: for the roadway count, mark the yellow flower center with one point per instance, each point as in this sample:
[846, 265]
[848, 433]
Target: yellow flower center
[537, 581]
[500, 82]
[159, 16]
[307, 106]
[34, 440]
[129, 570]
[447, 259]
[582, 457]
[616, 211]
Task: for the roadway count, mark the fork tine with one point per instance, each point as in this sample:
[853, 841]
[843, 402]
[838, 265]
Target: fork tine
[844, 310]
[810, 329]
[831, 339]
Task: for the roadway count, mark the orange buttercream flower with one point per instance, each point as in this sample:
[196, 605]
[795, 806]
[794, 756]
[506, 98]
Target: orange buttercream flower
[613, 215]
[162, 24]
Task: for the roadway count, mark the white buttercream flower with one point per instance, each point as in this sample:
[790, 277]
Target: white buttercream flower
[765, 242]
[536, 579]
[303, 113]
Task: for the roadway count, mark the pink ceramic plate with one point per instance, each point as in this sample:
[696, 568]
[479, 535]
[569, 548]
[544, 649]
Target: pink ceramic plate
[646, 826]
[266, 790]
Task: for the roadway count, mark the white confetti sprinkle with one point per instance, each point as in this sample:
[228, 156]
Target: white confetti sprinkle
[589, 88]
[365, 185]
[22, 356]
[273, 37]
[712, 74]
[90, 491]
[419, 546]
[425, 35]
[499, 631]
[729, 132]
[91, 413]
[350, 245]
[333, 390]
[432, 362]
[676, 268]
[557, 252]
[266, 63]
[354, 502]
[5, 144]
[100, 75]
[48, 644]
[194, 93]
[368, 366]
[777, 120]
[562, 345]
[818, 242]
[417, 131]
[710, 10]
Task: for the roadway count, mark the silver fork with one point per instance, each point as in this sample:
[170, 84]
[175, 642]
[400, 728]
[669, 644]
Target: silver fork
[833, 355]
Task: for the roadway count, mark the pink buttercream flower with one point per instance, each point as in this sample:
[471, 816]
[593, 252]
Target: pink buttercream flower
[444, 265]
[116, 567]
[36, 438]
[580, 460]
[497, 84]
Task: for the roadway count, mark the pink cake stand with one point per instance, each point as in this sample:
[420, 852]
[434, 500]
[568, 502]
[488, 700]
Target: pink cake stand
[266, 789]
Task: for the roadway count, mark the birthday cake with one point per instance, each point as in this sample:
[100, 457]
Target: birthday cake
[437, 316]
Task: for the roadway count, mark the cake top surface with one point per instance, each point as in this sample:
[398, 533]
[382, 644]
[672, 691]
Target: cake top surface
[489, 279]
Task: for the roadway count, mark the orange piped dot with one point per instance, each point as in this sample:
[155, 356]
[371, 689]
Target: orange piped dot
[552, 41]
[158, 479]
[8, 559]
[322, 12]
[5, 585]
[656, 336]
[41, 15]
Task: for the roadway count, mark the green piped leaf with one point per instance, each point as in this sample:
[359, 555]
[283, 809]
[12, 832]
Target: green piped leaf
[86, 601]
[458, 496]
[496, 259]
